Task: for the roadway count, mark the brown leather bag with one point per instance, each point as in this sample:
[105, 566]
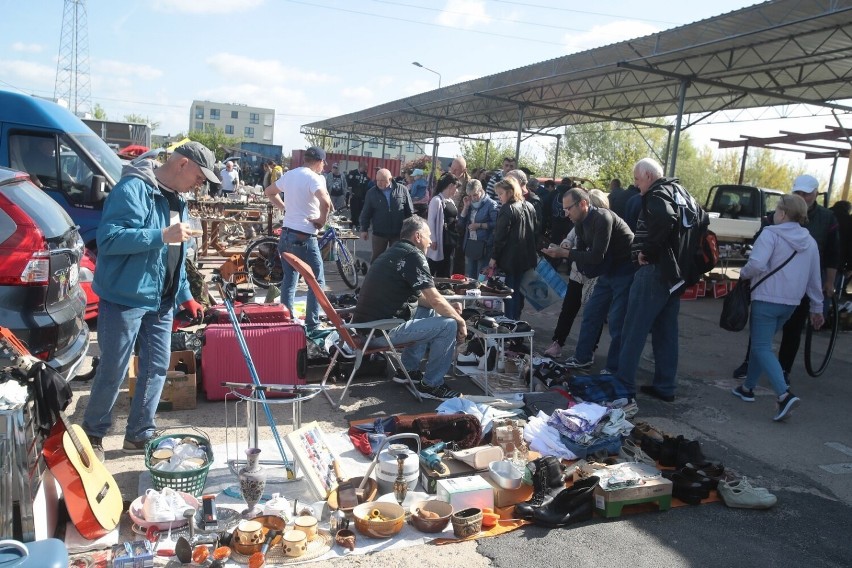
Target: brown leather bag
[462, 429]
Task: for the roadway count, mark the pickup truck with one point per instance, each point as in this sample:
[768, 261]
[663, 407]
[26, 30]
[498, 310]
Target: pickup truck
[736, 211]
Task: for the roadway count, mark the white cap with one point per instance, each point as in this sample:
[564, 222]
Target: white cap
[805, 183]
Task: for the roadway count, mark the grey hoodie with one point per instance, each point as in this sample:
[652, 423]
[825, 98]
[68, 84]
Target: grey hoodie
[800, 276]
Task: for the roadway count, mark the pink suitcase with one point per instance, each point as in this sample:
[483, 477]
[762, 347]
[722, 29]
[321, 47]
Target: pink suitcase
[279, 352]
[251, 313]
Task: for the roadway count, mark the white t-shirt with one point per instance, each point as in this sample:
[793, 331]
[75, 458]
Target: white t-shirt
[298, 188]
[229, 180]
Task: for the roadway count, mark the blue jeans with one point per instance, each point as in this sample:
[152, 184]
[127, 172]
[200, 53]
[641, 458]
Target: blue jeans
[308, 251]
[426, 329]
[650, 308]
[610, 295]
[473, 267]
[514, 306]
[766, 319]
[118, 328]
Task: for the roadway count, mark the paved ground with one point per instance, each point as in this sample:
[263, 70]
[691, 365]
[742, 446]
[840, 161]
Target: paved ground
[806, 461]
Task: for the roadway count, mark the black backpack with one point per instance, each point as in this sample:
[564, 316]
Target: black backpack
[697, 248]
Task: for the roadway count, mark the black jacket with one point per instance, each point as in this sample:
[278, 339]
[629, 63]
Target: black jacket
[358, 182]
[385, 220]
[602, 236]
[657, 236]
[514, 237]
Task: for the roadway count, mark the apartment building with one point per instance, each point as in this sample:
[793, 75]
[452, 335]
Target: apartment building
[252, 124]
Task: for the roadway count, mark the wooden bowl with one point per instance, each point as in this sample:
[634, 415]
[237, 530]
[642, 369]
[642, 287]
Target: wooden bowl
[367, 526]
[371, 489]
[443, 509]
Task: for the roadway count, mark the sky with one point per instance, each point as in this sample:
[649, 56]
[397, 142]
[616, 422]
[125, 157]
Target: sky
[316, 59]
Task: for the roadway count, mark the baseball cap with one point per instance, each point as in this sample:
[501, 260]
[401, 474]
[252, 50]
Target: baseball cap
[334, 165]
[315, 153]
[805, 183]
[201, 155]
[417, 172]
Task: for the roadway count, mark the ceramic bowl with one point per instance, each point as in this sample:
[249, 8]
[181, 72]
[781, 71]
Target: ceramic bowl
[505, 474]
[441, 508]
[268, 522]
[368, 524]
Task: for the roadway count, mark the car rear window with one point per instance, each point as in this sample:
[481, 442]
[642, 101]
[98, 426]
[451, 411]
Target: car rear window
[48, 215]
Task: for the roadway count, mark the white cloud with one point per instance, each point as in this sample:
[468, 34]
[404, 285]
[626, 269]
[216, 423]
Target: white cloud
[464, 14]
[205, 6]
[135, 70]
[358, 93]
[606, 34]
[32, 74]
[27, 47]
[263, 71]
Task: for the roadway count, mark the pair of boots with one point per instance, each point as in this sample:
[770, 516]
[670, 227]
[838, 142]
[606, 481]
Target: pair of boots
[552, 504]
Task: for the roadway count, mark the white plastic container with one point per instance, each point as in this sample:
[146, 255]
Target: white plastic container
[387, 469]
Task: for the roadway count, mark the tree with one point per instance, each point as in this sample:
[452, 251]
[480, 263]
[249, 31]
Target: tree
[139, 119]
[320, 138]
[215, 139]
[473, 152]
[98, 112]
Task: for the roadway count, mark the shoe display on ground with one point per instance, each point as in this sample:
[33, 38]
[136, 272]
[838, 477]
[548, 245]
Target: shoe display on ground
[97, 447]
[742, 494]
[548, 478]
[741, 372]
[441, 392]
[786, 406]
[631, 452]
[652, 391]
[573, 363]
[569, 506]
[415, 375]
[685, 488]
[746, 395]
[554, 351]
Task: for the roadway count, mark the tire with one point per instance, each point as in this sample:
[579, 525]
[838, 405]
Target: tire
[816, 363]
[263, 263]
[346, 265]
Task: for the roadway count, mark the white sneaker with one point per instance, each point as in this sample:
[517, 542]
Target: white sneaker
[740, 493]
[177, 504]
[156, 508]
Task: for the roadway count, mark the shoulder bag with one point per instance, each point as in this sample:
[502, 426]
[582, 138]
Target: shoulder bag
[736, 304]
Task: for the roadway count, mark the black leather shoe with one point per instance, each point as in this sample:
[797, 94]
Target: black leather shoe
[652, 391]
[685, 489]
[669, 450]
[569, 506]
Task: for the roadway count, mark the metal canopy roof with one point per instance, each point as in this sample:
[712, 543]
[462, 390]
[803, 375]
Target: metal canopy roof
[774, 53]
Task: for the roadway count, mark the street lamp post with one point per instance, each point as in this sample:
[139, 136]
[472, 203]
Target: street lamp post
[435, 145]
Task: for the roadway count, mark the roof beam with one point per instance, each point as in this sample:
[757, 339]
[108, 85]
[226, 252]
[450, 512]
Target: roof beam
[724, 85]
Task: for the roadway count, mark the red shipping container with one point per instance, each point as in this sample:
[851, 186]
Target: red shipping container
[349, 162]
[251, 313]
[279, 353]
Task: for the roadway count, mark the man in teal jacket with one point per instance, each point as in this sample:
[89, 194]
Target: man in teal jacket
[140, 279]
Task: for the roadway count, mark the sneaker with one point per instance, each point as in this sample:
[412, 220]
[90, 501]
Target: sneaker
[741, 372]
[440, 392]
[740, 493]
[554, 351]
[467, 359]
[631, 452]
[131, 447]
[416, 377]
[176, 502]
[156, 508]
[97, 447]
[573, 363]
[786, 406]
[606, 371]
[746, 395]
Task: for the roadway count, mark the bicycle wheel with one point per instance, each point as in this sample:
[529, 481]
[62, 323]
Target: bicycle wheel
[820, 346]
[346, 265]
[263, 263]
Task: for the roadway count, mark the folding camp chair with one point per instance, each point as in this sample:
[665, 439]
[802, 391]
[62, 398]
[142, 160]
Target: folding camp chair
[359, 345]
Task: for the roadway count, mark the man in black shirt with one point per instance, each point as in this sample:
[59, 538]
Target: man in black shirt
[398, 285]
[358, 183]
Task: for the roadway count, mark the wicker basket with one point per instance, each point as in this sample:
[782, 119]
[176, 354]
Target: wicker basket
[467, 522]
[191, 481]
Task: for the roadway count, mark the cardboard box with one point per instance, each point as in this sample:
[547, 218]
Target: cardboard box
[655, 490]
[429, 478]
[509, 497]
[179, 393]
[464, 492]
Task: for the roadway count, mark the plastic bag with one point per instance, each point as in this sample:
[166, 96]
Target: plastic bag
[735, 307]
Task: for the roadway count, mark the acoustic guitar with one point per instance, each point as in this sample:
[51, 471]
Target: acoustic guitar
[91, 494]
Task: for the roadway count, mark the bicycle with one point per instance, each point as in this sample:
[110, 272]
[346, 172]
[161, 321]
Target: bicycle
[263, 263]
[832, 325]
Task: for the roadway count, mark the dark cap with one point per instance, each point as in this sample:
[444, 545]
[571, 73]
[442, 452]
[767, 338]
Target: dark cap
[315, 153]
[201, 155]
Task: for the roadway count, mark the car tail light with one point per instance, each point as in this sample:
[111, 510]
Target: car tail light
[26, 259]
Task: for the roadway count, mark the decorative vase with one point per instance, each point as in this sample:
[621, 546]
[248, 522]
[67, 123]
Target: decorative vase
[252, 483]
